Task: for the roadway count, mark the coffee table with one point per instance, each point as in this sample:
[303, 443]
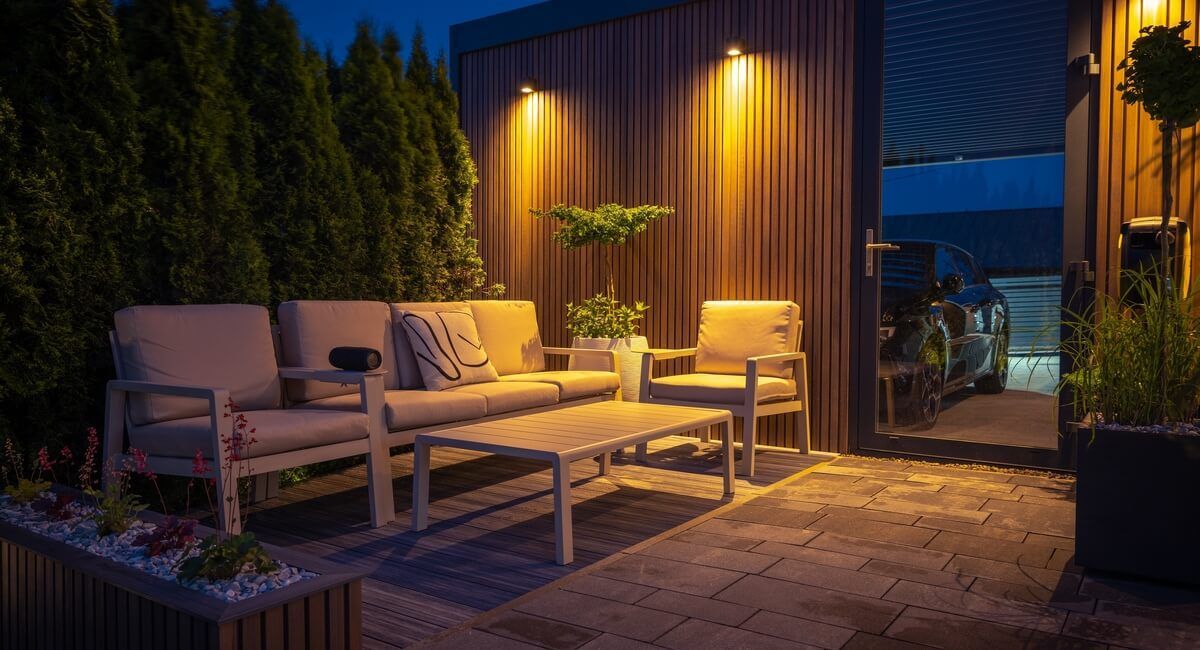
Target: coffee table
[565, 435]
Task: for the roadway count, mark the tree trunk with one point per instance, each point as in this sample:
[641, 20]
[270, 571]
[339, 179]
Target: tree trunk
[1164, 243]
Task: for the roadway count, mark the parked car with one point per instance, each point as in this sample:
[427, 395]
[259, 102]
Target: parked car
[943, 326]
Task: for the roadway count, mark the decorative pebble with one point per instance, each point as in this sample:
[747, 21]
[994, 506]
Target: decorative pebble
[80, 532]
[1178, 428]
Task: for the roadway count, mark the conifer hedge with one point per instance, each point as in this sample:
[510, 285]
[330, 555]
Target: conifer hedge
[162, 151]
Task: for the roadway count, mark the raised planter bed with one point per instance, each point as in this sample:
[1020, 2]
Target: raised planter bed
[1137, 510]
[53, 595]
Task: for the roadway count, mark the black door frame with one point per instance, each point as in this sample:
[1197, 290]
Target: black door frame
[1079, 237]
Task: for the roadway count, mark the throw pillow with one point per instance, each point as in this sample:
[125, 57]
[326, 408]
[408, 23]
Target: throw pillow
[448, 349]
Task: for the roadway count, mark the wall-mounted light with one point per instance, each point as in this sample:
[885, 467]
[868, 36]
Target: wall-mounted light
[529, 86]
[735, 47]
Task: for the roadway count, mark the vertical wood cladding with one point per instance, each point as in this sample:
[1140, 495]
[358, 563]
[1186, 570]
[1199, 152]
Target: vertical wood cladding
[751, 151]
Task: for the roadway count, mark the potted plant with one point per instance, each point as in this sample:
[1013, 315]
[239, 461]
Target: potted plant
[602, 321]
[1138, 447]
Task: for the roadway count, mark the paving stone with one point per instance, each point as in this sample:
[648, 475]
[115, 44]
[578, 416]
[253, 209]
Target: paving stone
[691, 606]
[669, 574]
[722, 558]
[695, 634]
[819, 575]
[760, 532]
[1062, 597]
[871, 463]
[917, 574]
[601, 615]
[815, 603]
[977, 530]
[1146, 594]
[814, 555]
[1064, 560]
[715, 540]
[863, 471]
[877, 515]
[789, 504]
[1181, 617]
[836, 495]
[1015, 613]
[946, 630]
[475, 639]
[1043, 481]
[799, 630]
[613, 642]
[975, 484]
[918, 493]
[1060, 493]
[983, 494]
[864, 641]
[618, 590]
[1014, 573]
[1147, 635]
[1049, 503]
[1031, 518]
[925, 510]
[994, 549]
[538, 631]
[1067, 543]
[921, 557]
[772, 516]
[874, 530]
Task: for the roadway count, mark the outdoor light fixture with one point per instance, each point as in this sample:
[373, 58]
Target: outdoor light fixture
[735, 47]
[529, 86]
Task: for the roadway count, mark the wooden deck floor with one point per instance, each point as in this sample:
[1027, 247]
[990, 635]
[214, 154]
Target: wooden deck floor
[491, 537]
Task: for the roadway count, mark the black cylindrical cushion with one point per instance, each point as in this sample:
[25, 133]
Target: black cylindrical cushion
[357, 359]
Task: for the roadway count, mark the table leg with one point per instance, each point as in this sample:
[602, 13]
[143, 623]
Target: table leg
[640, 454]
[605, 463]
[420, 489]
[565, 548]
[727, 454]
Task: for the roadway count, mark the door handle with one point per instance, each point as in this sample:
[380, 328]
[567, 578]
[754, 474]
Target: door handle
[882, 247]
[873, 247]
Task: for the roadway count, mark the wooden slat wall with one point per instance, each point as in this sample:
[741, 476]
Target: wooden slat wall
[753, 152]
[1129, 143]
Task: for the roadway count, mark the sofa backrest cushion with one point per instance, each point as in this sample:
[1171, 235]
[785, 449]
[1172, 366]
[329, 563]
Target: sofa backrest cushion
[733, 330]
[509, 330]
[219, 346]
[407, 371]
[447, 348]
[309, 329]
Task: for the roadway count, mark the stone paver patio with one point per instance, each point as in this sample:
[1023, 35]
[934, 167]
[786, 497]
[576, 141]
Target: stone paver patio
[855, 553]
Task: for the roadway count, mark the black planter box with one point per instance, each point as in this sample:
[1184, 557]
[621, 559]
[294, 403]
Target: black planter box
[1138, 504]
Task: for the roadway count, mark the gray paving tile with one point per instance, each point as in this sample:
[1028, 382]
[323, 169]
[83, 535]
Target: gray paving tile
[993, 492]
[618, 590]
[808, 554]
[992, 532]
[1015, 613]
[800, 630]
[760, 532]
[872, 463]
[1146, 594]
[538, 631]
[669, 574]
[608, 641]
[866, 512]
[781, 502]
[848, 495]
[922, 557]
[946, 579]
[1031, 518]
[879, 531]
[602, 615]
[922, 494]
[1181, 618]
[995, 549]
[1067, 543]
[1014, 573]
[946, 630]
[716, 611]
[815, 603]
[935, 477]
[1141, 635]
[475, 639]
[696, 633]
[1063, 560]
[1062, 597]
[715, 540]
[863, 471]
[818, 575]
[1043, 481]
[772, 516]
[722, 558]
[864, 641]
[927, 510]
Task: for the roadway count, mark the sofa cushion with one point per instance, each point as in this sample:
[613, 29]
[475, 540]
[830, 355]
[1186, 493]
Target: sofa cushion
[276, 431]
[409, 409]
[408, 373]
[573, 384]
[219, 346]
[509, 331]
[447, 347]
[506, 396]
[309, 329]
[733, 330]
[719, 389]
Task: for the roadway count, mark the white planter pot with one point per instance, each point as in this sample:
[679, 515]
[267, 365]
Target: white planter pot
[629, 364]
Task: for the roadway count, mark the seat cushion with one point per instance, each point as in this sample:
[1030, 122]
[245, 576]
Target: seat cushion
[733, 330]
[505, 396]
[408, 373]
[220, 346]
[309, 329]
[573, 384]
[409, 409]
[719, 389]
[447, 347]
[276, 431]
[509, 331]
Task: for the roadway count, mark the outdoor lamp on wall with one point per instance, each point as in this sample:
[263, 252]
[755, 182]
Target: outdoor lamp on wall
[529, 86]
[735, 47]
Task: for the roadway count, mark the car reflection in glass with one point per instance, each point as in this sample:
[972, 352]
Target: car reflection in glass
[943, 326]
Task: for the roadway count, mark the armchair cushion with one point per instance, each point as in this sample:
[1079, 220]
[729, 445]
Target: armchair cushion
[276, 431]
[447, 347]
[509, 331]
[309, 329]
[505, 396]
[731, 331]
[573, 384]
[408, 373]
[409, 409]
[719, 389]
[222, 346]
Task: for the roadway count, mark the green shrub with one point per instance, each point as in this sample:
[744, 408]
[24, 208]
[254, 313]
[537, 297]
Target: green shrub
[602, 317]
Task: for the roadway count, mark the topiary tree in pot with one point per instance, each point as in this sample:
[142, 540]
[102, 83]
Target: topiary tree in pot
[603, 321]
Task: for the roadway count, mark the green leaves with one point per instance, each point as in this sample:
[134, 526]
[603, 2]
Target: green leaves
[610, 224]
[223, 558]
[1162, 73]
[26, 491]
[603, 317]
[116, 508]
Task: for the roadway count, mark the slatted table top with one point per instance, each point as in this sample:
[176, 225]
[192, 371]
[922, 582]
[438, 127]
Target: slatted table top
[576, 432]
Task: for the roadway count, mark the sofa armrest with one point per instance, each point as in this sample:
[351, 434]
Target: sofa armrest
[115, 412]
[662, 354]
[172, 390]
[607, 355]
[329, 375]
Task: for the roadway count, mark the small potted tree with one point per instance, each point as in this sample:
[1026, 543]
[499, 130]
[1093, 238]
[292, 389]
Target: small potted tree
[602, 321]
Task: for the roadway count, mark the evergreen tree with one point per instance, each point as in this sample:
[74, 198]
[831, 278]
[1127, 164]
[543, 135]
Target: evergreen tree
[305, 206]
[70, 195]
[201, 244]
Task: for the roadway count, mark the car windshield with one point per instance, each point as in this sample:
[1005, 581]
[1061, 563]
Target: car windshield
[906, 276]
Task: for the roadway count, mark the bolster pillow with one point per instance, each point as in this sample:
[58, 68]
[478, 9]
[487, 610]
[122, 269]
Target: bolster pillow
[356, 359]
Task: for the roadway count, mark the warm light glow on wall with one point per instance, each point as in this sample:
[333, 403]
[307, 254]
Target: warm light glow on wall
[1150, 8]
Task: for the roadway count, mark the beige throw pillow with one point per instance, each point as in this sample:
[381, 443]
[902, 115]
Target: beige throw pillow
[448, 349]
